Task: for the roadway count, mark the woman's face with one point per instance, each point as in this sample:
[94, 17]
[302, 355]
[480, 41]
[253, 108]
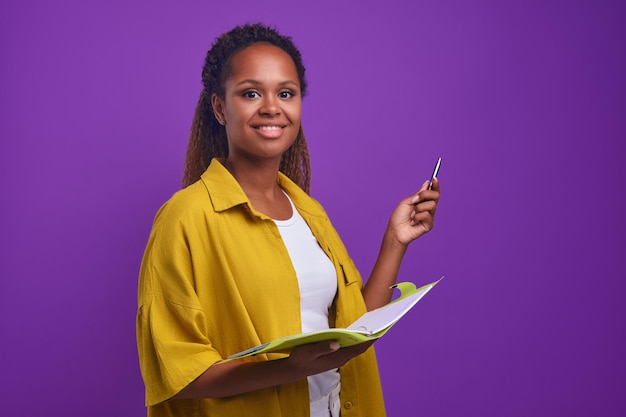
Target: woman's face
[262, 103]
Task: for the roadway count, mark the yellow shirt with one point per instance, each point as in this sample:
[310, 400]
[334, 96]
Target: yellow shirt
[216, 279]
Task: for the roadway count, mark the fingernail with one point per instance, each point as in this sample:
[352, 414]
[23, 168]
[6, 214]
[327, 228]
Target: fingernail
[334, 346]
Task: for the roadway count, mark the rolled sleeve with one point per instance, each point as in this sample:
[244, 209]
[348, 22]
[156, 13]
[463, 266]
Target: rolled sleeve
[173, 349]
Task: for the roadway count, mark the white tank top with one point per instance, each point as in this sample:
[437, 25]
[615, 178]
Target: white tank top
[317, 280]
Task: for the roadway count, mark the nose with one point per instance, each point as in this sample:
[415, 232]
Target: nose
[270, 106]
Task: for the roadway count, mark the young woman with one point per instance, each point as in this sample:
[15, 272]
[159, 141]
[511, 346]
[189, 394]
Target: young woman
[243, 255]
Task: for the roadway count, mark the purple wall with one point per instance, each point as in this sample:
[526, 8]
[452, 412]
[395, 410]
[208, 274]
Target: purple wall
[525, 101]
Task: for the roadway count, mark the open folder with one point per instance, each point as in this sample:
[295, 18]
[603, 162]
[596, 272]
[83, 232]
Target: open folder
[371, 325]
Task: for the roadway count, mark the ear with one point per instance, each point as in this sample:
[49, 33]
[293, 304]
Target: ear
[218, 109]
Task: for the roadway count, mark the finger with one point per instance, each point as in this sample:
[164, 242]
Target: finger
[324, 348]
[427, 195]
[425, 220]
[425, 217]
[350, 352]
[435, 186]
[424, 196]
[428, 205]
[424, 226]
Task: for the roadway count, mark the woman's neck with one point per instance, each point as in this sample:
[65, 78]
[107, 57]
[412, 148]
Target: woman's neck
[259, 182]
[256, 177]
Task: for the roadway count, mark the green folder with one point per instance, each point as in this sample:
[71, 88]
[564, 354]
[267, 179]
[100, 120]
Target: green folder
[370, 326]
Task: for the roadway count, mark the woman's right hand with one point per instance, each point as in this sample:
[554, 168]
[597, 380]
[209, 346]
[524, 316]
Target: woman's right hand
[232, 378]
[311, 359]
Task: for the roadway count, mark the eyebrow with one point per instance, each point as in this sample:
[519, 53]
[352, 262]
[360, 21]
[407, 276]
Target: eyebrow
[255, 82]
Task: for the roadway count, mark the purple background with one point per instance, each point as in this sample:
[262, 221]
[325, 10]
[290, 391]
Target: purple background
[525, 102]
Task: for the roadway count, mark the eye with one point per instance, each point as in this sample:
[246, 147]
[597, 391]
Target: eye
[286, 94]
[251, 94]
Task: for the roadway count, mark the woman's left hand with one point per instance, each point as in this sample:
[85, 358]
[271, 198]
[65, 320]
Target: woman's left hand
[415, 215]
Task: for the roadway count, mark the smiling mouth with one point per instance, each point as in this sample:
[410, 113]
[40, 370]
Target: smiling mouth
[268, 127]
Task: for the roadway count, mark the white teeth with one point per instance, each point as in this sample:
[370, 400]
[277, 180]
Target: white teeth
[269, 127]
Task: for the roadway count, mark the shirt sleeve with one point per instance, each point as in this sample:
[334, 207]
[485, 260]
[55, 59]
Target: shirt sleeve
[173, 345]
[173, 351]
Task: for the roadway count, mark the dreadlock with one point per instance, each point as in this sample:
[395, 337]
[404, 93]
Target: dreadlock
[207, 139]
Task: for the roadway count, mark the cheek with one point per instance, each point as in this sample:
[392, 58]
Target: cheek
[295, 113]
[238, 109]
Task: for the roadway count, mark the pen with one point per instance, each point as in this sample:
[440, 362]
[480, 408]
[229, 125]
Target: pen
[435, 172]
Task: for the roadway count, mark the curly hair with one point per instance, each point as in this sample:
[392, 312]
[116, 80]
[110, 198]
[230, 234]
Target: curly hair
[207, 139]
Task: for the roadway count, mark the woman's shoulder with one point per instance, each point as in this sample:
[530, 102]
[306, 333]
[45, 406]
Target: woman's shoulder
[185, 204]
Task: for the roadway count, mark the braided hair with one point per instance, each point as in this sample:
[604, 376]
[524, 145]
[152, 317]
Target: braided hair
[207, 139]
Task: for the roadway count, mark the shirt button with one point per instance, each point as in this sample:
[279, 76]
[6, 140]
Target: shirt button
[348, 405]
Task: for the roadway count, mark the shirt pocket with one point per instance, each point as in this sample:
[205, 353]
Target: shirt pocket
[340, 257]
[350, 274]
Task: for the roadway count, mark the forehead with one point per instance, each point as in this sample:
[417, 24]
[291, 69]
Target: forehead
[263, 60]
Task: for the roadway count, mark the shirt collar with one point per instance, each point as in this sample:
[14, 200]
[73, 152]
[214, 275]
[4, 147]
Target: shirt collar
[226, 193]
[224, 190]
